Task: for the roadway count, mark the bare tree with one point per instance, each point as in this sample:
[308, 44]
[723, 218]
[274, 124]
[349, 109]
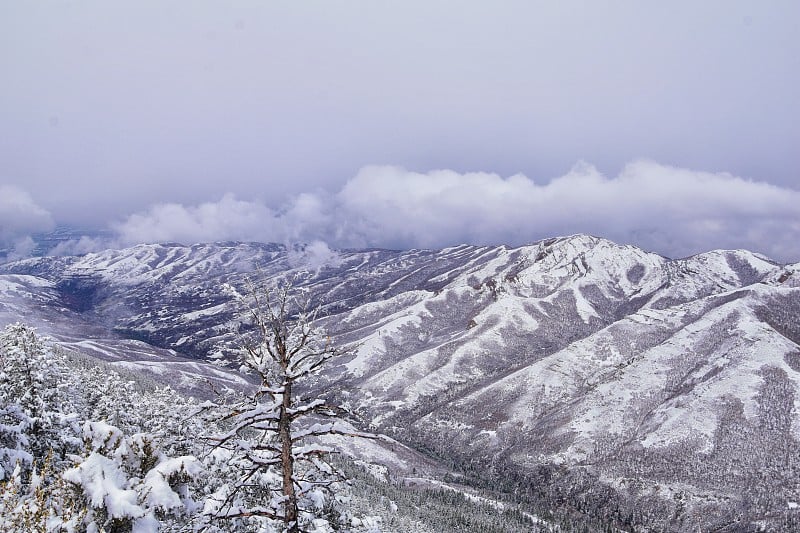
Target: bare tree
[273, 436]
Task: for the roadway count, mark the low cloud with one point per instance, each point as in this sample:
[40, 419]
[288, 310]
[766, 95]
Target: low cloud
[82, 245]
[313, 256]
[20, 217]
[228, 219]
[21, 248]
[673, 211]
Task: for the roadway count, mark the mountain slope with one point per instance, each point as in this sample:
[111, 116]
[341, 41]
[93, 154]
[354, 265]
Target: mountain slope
[645, 378]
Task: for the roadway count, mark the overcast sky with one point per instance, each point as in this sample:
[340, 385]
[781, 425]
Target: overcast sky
[671, 125]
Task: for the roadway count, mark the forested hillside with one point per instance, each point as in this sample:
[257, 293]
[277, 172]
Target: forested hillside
[587, 383]
[85, 446]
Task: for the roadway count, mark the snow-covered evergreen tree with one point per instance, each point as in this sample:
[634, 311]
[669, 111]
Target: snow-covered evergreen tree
[126, 482]
[30, 411]
[65, 467]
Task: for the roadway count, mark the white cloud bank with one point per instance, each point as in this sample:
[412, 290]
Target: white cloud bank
[20, 216]
[673, 211]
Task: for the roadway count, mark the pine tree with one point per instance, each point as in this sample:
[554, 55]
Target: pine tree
[124, 482]
[63, 469]
[28, 400]
[272, 440]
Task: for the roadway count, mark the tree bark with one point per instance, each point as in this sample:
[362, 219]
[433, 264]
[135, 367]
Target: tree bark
[287, 460]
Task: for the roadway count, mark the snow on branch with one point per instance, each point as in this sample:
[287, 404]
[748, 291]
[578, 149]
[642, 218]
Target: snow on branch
[272, 436]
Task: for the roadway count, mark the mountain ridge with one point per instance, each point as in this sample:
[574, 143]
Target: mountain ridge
[571, 352]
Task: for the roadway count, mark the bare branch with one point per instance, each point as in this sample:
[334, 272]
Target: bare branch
[266, 433]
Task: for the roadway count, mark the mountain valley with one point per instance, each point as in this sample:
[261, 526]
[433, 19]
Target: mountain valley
[612, 384]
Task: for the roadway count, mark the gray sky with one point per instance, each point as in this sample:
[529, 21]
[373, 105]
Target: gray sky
[291, 120]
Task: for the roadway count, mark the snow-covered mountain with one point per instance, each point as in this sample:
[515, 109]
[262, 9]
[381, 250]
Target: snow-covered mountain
[600, 377]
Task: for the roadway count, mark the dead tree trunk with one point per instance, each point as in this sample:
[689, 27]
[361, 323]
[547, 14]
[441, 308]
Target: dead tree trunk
[287, 460]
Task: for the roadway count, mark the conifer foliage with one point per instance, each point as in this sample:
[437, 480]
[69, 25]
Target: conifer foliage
[62, 469]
